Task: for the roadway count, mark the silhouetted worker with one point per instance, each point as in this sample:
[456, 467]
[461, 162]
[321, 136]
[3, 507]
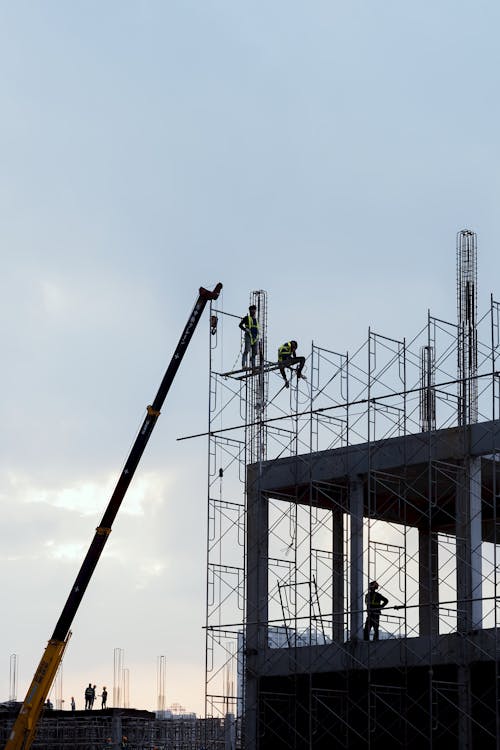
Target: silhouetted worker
[73, 704]
[89, 697]
[104, 697]
[250, 325]
[375, 602]
[287, 356]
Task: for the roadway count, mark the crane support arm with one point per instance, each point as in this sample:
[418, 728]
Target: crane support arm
[24, 727]
[27, 721]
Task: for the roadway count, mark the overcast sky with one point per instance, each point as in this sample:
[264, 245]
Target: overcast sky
[327, 152]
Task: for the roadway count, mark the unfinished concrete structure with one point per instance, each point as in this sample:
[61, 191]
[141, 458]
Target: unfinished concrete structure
[116, 729]
[384, 464]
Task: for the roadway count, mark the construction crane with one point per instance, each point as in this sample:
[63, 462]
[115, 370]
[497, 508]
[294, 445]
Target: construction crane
[24, 728]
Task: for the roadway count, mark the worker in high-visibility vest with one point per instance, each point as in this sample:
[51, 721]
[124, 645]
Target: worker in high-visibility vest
[89, 697]
[249, 324]
[287, 356]
[375, 602]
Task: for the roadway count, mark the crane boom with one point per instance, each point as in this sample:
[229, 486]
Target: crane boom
[25, 726]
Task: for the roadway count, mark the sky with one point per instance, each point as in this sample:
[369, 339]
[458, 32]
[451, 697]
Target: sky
[327, 152]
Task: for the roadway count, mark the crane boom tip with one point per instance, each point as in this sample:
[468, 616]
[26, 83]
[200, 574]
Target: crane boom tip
[207, 294]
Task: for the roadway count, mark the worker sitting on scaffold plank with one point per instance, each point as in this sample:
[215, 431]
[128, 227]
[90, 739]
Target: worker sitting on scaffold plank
[286, 357]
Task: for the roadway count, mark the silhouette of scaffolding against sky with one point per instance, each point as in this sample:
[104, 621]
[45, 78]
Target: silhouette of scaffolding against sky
[445, 376]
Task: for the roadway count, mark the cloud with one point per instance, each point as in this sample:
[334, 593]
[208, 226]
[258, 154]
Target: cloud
[54, 298]
[334, 175]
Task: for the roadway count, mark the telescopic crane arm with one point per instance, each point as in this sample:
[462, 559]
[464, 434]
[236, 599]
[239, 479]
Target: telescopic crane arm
[25, 726]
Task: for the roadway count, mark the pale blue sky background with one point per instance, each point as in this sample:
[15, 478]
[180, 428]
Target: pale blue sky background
[327, 152]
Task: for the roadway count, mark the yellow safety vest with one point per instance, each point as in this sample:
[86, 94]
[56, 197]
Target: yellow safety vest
[285, 350]
[252, 328]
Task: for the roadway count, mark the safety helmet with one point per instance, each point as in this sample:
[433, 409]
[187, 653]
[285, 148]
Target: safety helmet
[373, 585]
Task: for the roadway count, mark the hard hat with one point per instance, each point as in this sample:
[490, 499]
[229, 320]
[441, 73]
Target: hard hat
[373, 585]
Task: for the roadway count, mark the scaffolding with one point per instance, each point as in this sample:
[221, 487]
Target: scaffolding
[382, 465]
[116, 729]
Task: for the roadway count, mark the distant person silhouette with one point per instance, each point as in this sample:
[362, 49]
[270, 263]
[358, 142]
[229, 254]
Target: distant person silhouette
[89, 697]
[375, 602]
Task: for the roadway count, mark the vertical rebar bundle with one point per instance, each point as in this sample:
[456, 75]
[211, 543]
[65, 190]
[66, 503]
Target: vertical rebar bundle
[228, 685]
[161, 676]
[258, 385]
[467, 326]
[58, 689]
[117, 677]
[126, 687]
[427, 392]
[13, 677]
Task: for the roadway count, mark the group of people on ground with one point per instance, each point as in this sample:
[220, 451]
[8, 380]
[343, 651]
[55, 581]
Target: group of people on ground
[90, 697]
[287, 352]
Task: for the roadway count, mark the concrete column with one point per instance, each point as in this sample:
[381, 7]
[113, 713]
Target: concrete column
[475, 479]
[339, 624]
[116, 730]
[468, 540]
[229, 732]
[257, 600]
[356, 563]
[464, 706]
[428, 583]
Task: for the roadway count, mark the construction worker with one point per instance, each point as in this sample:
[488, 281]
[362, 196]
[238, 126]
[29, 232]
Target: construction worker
[287, 356]
[250, 325]
[89, 697]
[375, 602]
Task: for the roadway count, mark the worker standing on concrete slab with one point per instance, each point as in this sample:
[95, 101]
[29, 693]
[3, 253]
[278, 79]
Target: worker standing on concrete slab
[375, 602]
[89, 697]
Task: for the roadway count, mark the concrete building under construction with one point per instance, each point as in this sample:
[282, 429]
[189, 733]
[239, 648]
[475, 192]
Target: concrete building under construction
[117, 728]
[383, 464]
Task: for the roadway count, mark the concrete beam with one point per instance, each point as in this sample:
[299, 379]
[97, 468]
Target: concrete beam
[453, 444]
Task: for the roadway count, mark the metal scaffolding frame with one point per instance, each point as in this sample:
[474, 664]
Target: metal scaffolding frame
[116, 729]
[427, 531]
